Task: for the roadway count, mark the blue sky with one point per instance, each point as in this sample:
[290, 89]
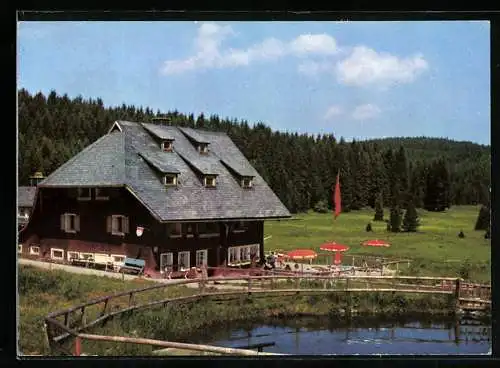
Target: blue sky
[354, 79]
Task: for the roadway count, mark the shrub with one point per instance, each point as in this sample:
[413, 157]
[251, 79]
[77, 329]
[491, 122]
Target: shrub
[321, 207]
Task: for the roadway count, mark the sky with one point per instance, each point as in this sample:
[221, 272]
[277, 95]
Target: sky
[357, 80]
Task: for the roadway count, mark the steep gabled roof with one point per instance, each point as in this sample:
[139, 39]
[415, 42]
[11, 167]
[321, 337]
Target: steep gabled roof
[157, 131]
[130, 156]
[194, 135]
[26, 196]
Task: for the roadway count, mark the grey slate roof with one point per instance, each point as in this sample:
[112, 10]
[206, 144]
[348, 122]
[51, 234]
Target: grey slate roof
[158, 132]
[194, 135]
[118, 158]
[25, 196]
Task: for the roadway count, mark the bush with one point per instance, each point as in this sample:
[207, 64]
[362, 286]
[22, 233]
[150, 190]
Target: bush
[321, 207]
[369, 228]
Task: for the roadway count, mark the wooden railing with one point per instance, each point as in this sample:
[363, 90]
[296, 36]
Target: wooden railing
[70, 324]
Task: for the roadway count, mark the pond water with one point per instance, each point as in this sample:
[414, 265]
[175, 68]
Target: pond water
[308, 336]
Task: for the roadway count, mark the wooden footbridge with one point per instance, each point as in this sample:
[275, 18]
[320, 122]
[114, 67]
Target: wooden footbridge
[66, 329]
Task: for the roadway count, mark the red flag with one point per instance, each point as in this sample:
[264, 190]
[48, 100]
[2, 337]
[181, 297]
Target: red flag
[336, 197]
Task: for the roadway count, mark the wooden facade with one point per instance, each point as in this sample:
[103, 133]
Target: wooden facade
[91, 233]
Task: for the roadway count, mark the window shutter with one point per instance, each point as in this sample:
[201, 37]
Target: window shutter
[108, 224]
[125, 224]
[63, 227]
[77, 222]
[67, 222]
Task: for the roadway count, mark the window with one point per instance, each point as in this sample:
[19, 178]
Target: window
[166, 260]
[34, 250]
[70, 223]
[174, 230]
[117, 225]
[242, 254]
[101, 194]
[203, 148]
[73, 255]
[208, 229]
[183, 260]
[117, 258]
[56, 253]
[84, 194]
[201, 257]
[240, 227]
[246, 182]
[170, 180]
[210, 181]
[19, 248]
[188, 229]
[167, 146]
[87, 256]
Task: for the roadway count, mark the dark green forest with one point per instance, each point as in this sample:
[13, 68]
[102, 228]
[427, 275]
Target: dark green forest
[431, 173]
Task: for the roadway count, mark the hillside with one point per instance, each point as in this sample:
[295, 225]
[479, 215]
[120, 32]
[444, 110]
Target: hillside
[299, 168]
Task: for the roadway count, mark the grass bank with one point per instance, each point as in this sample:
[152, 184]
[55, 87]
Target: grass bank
[436, 248]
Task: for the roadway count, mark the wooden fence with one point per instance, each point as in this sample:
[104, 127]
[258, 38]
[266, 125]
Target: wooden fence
[69, 325]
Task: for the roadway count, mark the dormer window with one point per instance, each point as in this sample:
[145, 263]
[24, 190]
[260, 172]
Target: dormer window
[209, 181]
[203, 148]
[246, 182]
[170, 180]
[167, 146]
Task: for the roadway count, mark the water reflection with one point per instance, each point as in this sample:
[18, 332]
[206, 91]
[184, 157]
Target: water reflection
[322, 336]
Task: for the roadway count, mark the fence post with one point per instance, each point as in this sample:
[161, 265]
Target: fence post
[130, 299]
[457, 293]
[249, 284]
[84, 319]
[78, 346]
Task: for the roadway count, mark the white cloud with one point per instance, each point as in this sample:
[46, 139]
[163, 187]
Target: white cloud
[313, 68]
[365, 112]
[366, 66]
[313, 44]
[210, 54]
[332, 112]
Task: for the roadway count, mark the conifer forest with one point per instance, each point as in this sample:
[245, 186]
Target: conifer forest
[422, 172]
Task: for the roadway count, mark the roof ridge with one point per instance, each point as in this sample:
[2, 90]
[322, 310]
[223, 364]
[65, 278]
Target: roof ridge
[72, 159]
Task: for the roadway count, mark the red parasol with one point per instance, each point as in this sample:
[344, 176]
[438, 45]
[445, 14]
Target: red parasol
[301, 254]
[336, 248]
[376, 243]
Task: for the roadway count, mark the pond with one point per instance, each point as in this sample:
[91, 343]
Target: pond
[310, 336]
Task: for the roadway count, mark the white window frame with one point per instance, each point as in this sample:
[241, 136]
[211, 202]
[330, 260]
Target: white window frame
[19, 248]
[169, 260]
[80, 197]
[83, 254]
[70, 253]
[206, 235]
[33, 252]
[114, 261]
[165, 144]
[188, 266]
[114, 230]
[52, 250]
[204, 258]
[243, 229]
[100, 197]
[67, 222]
[178, 226]
[210, 178]
[245, 185]
[171, 176]
[241, 254]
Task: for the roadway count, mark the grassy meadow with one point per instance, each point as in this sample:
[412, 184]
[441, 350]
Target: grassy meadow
[436, 248]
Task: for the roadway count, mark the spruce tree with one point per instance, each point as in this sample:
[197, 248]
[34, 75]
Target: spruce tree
[395, 219]
[411, 221]
[483, 219]
[379, 209]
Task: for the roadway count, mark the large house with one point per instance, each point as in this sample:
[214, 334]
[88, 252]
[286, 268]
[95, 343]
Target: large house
[174, 197]
[25, 198]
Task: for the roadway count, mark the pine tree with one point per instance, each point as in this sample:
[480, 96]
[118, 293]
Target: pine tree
[411, 221]
[483, 219]
[395, 219]
[379, 209]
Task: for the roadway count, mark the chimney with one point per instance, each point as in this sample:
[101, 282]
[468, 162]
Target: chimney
[36, 178]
